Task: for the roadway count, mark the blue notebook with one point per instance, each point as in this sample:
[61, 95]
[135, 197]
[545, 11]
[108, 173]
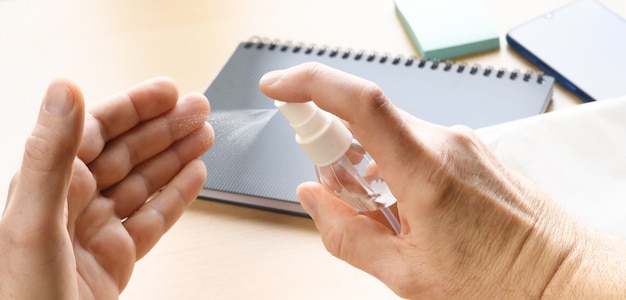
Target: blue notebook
[255, 160]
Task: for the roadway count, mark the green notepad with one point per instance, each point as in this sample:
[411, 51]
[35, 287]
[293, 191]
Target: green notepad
[443, 29]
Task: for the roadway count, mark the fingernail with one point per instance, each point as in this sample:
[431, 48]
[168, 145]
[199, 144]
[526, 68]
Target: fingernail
[308, 203]
[270, 77]
[59, 99]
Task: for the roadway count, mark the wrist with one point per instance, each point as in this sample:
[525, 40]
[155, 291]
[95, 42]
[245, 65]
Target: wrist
[594, 269]
[545, 254]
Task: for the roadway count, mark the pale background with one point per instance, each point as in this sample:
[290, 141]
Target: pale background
[216, 251]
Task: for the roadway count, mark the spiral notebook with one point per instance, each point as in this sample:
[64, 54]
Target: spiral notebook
[255, 160]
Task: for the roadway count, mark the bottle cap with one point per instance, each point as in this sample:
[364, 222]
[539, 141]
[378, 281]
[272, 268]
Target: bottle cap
[320, 134]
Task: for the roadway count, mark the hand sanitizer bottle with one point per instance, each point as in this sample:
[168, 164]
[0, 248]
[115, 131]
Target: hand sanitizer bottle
[341, 162]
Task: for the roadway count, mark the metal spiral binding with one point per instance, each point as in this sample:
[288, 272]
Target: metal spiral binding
[445, 65]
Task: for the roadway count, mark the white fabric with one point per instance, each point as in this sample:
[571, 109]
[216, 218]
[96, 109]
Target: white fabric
[578, 155]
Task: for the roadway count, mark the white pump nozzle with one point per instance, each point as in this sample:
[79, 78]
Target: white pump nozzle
[321, 135]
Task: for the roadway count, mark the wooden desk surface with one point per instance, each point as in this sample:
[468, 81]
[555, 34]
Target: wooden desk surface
[215, 251]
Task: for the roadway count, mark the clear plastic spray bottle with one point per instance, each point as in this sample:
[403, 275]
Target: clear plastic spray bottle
[341, 162]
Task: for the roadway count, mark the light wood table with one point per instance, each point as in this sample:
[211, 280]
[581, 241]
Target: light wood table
[215, 251]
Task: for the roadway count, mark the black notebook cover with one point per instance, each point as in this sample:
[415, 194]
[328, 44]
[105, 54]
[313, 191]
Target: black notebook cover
[255, 160]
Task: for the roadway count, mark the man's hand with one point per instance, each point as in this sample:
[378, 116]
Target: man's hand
[96, 192]
[471, 228]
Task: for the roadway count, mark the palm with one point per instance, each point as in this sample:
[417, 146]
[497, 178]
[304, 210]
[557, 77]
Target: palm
[133, 148]
[104, 250]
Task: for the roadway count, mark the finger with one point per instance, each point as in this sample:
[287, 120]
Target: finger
[158, 215]
[353, 237]
[81, 190]
[40, 188]
[374, 120]
[129, 194]
[122, 154]
[119, 113]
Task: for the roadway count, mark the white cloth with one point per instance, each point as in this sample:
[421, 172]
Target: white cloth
[578, 155]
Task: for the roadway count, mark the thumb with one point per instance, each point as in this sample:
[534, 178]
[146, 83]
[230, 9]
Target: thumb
[347, 234]
[39, 189]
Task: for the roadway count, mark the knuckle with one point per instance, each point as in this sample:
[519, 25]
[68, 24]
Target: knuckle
[313, 69]
[37, 152]
[372, 101]
[333, 242]
[47, 150]
[373, 97]
[459, 150]
[462, 136]
[337, 243]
